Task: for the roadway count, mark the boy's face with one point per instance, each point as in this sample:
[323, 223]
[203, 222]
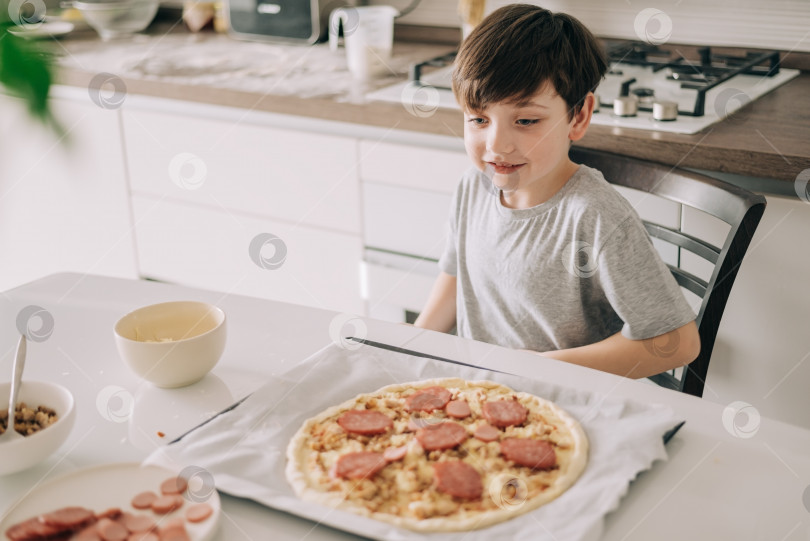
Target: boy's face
[523, 147]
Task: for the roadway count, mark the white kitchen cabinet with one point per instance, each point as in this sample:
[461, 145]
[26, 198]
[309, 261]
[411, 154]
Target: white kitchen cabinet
[412, 167]
[63, 203]
[202, 247]
[404, 220]
[295, 176]
[204, 186]
[406, 194]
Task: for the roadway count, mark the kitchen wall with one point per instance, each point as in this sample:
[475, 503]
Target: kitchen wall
[778, 24]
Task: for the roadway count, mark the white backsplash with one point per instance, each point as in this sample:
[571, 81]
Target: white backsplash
[775, 24]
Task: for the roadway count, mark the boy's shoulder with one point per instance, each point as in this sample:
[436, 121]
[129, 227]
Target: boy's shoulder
[589, 194]
[591, 182]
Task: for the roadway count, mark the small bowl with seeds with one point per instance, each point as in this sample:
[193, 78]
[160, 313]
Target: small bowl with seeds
[45, 415]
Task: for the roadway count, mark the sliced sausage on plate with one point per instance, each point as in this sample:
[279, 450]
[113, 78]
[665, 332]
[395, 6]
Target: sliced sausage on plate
[68, 518]
[174, 485]
[31, 529]
[114, 512]
[89, 533]
[167, 504]
[144, 500]
[199, 512]
[111, 530]
[137, 523]
[174, 531]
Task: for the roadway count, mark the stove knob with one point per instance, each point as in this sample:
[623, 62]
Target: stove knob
[625, 106]
[665, 110]
[645, 95]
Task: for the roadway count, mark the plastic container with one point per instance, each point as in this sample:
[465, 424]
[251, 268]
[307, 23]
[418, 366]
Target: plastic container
[368, 36]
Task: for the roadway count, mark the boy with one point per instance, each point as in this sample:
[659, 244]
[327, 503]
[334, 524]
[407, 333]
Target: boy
[543, 254]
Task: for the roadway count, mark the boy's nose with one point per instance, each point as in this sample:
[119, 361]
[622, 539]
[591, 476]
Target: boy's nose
[499, 140]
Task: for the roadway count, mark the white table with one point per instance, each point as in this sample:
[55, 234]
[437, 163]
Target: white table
[715, 486]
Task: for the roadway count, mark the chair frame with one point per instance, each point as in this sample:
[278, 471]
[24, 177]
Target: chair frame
[738, 207]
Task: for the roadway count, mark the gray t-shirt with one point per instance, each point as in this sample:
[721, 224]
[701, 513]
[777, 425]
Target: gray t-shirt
[569, 272]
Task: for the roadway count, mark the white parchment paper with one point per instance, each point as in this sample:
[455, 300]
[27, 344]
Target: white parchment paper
[245, 449]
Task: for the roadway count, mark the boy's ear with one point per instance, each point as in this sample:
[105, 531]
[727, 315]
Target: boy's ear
[582, 119]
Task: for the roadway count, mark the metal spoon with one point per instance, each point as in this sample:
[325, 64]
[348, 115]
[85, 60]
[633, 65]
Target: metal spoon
[19, 364]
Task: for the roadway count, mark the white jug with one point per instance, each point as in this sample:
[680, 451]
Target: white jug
[368, 33]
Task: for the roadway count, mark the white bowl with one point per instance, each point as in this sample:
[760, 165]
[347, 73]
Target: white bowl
[19, 454]
[172, 344]
[118, 18]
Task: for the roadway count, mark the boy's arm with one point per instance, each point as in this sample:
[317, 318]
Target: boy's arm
[439, 313]
[636, 358]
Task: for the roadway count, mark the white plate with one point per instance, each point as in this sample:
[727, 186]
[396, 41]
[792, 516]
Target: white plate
[101, 487]
[44, 30]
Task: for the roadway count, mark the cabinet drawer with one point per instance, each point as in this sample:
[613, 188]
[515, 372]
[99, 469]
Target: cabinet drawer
[412, 167]
[404, 220]
[287, 175]
[189, 245]
[400, 287]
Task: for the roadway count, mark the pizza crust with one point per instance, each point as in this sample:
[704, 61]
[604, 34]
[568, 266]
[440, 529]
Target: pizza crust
[509, 490]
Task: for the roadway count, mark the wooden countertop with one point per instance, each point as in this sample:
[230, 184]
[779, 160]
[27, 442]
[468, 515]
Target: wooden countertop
[768, 138]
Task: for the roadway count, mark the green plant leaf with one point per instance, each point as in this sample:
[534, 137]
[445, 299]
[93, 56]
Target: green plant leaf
[25, 71]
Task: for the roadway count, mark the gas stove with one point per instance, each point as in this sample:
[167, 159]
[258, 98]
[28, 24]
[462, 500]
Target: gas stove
[646, 87]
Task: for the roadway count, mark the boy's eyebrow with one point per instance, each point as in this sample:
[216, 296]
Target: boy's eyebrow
[529, 103]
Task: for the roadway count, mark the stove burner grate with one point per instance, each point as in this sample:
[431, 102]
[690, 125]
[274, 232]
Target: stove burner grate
[702, 75]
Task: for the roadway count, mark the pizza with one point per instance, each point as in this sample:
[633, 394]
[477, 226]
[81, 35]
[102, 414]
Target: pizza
[439, 455]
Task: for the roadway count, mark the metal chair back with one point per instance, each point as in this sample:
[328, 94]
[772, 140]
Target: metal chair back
[739, 208]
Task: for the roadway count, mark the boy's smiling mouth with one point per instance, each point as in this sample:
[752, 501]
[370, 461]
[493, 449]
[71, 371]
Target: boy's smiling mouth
[504, 168]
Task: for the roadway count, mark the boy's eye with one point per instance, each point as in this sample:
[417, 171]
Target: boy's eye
[476, 120]
[527, 121]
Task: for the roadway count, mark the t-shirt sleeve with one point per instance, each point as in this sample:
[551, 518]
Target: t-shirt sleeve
[448, 262]
[639, 285]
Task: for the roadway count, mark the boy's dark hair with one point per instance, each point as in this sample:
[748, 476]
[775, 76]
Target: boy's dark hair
[519, 48]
